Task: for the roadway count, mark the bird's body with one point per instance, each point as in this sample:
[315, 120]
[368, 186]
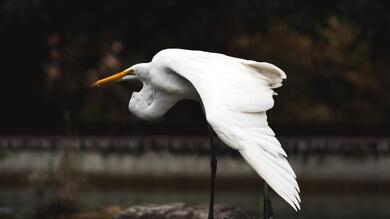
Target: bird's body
[235, 94]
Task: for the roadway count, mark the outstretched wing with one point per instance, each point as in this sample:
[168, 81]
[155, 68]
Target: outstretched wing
[236, 94]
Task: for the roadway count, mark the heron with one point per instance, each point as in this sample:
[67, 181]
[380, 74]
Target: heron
[234, 94]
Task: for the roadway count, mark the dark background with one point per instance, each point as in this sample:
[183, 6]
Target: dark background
[336, 55]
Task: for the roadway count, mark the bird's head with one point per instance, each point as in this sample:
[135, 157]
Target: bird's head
[143, 103]
[135, 72]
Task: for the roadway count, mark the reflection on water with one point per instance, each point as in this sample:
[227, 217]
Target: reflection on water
[314, 205]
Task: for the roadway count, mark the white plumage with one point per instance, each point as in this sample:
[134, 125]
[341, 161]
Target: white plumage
[235, 94]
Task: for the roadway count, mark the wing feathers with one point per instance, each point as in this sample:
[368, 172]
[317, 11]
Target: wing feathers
[269, 71]
[236, 94]
[267, 141]
[283, 183]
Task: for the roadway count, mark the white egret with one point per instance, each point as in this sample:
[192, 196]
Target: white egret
[235, 95]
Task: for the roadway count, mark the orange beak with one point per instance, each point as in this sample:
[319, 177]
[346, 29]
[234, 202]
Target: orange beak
[112, 78]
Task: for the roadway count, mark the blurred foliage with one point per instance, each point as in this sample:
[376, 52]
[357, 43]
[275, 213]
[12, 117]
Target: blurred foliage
[3, 154]
[58, 190]
[331, 78]
[336, 55]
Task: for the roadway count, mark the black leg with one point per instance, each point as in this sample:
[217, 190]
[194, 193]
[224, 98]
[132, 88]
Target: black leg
[213, 164]
[267, 207]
